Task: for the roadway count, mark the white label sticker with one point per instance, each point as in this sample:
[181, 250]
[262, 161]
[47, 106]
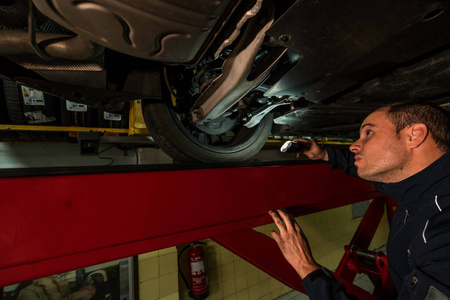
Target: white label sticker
[197, 268]
[111, 117]
[73, 106]
[32, 96]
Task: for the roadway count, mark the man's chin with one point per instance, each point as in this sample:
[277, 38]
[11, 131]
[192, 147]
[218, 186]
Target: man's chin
[362, 174]
[374, 177]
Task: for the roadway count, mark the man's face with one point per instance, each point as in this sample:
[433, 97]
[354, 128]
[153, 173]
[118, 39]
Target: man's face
[380, 153]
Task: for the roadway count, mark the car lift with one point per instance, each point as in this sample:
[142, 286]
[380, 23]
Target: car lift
[64, 219]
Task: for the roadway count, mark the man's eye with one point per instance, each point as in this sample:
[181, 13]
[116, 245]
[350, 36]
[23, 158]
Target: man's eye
[368, 132]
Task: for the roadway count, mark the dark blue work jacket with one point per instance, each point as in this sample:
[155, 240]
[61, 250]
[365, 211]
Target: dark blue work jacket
[418, 248]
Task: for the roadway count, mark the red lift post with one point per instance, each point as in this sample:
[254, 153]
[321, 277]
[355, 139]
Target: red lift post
[53, 224]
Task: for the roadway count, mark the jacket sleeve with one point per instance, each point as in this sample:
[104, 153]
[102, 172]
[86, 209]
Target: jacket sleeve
[321, 285]
[344, 160]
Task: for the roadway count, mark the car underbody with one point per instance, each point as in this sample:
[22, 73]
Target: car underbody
[227, 73]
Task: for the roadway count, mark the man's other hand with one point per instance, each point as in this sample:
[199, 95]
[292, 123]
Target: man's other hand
[293, 243]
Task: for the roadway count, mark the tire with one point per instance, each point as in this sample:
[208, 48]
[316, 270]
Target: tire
[5, 136]
[12, 100]
[173, 137]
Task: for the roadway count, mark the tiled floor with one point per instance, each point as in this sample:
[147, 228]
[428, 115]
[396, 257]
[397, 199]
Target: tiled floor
[293, 295]
[361, 280]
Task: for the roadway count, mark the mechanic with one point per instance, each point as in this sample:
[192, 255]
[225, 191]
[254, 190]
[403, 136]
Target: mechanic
[403, 149]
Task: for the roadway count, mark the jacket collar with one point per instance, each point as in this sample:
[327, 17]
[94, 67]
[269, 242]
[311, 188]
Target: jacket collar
[411, 190]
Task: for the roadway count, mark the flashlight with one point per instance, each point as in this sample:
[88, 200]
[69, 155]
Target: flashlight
[294, 147]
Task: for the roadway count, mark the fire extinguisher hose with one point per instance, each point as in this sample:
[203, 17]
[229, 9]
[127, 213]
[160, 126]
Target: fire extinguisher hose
[179, 268]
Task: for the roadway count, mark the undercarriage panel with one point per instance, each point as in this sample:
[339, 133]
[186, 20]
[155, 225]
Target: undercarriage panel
[167, 31]
[342, 43]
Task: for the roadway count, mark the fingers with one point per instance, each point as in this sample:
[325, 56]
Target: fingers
[278, 221]
[302, 140]
[275, 236]
[314, 151]
[287, 218]
[283, 219]
[309, 144]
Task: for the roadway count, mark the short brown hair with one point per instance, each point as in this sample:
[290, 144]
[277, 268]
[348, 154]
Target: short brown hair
[433, 116]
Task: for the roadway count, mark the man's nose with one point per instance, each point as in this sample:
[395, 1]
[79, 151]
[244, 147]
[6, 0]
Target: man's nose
[355, 147]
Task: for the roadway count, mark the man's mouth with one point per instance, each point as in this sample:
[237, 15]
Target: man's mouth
[357, 159]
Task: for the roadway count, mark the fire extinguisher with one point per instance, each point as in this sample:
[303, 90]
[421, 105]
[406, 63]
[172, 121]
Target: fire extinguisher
[198, 289]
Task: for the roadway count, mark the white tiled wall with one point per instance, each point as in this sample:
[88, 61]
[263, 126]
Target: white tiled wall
[158, 275]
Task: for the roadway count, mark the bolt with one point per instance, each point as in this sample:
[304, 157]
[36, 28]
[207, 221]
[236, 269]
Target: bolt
[284, 38]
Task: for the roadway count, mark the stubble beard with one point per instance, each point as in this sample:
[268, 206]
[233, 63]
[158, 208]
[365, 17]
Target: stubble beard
[392, 170]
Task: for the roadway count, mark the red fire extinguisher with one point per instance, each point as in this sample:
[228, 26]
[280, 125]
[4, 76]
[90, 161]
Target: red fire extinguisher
[199, 279]
[199, 289]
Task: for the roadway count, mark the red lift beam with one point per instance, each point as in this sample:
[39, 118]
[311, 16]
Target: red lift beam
[248, 244]
[55, 224]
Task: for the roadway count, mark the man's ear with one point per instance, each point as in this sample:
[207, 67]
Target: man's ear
[417, 134]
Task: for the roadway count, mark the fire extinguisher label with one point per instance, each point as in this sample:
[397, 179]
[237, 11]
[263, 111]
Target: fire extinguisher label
[197, 268]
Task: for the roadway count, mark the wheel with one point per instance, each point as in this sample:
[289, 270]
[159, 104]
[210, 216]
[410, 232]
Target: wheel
[12, 100]
[229, 141]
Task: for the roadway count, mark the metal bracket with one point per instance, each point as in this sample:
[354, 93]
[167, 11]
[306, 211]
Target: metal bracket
[237, 77]
[260, 113]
